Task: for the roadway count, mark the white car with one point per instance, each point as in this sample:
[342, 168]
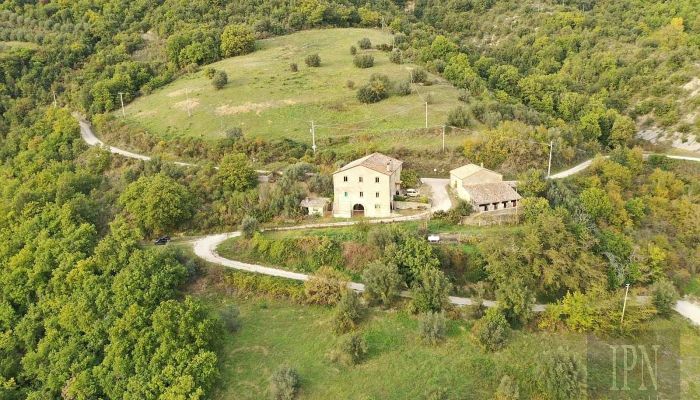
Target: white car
[434, 238]
[411, 192]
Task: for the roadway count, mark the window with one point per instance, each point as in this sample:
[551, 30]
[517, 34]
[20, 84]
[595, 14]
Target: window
[376, 180]
[360, 179]
[345, 179]
[376, 194]
[345, 194]
[362, 194]
[377, 206]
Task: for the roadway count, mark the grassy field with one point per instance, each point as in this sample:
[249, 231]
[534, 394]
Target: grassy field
[267, 100]
[399, 365]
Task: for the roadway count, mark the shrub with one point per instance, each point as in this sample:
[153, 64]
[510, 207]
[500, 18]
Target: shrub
[237, 40]
[209, 72]
[403, 88]
[293, 67]
[219, 80]
[365, 43]
[382, 282]
[492, 330]
[664, 296]
[376, 90]
[459, 117]
[364, 61]
[353, 50]
[395, 56]
[350, 350]
[347, 312]
[561, 375]
[249, 226]
[234, 133]
[419, 76]
[431, 291]
[326, 286]
[432, 327]
[229, 317]
[313, 60]
[507, 390]
[284, 383]
[350, 84]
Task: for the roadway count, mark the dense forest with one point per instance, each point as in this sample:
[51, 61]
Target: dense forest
[87, 312]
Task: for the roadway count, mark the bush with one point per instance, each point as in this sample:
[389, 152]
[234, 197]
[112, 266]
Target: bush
[664, 296]
[376, 90]
[350, 84]
[459, 117]
[284, 383]
[419, 76]
[350, 350]
[229, 317]
[313, 60]
[403, 88]
[364, 61]
[219, 80]
[365, 43]
[382, 282]
[293, 67]
[347, 312]
[432, 327]
[249, 226]
[395, 57]
[237, 40]
[353, 50]
[561, 375]
[234, 133]
[326, 286]
[209, 72]
[507, 390]
[431, 291]
[492, 330]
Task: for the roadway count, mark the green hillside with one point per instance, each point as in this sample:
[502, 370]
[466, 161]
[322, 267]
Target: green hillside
[267, 100]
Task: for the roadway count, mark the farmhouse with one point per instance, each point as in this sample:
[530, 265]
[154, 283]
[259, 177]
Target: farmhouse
[366, 187]
[484, 189]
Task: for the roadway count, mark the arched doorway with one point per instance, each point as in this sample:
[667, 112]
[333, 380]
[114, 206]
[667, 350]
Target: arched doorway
[358, 210]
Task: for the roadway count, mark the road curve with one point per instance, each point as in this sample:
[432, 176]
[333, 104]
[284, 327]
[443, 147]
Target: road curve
[580, 167]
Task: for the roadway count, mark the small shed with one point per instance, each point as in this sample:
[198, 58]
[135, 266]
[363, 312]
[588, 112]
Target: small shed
[492, 196]
[315, 205]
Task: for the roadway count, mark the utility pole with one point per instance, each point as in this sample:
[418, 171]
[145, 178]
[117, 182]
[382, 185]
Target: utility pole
[189, 113]
[313, 137]
[624, 305]
[426, 115]
[549, 166]
[55, 103]
[121, 99]
[383, 26]
[443, 138]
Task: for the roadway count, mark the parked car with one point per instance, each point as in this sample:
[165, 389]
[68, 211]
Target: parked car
[412, 193]
[162, 240]
[434, 238]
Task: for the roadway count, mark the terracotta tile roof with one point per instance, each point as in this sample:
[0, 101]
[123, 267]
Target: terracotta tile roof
[484, 193]
[375, 161]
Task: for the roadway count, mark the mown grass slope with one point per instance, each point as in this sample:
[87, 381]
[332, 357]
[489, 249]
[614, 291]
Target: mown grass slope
[267, 100]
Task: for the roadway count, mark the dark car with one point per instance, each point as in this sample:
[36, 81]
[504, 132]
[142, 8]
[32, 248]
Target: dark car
[162, 240]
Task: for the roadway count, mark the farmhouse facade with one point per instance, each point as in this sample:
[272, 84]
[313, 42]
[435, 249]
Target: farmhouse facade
[484, 189]
[366, 187]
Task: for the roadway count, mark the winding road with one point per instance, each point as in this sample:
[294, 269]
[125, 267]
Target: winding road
[205, 247]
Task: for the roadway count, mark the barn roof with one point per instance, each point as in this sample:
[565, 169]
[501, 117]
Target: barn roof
[486, 193]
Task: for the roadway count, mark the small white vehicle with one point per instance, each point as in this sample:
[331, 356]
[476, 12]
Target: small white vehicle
[434, 238]
[411, 192]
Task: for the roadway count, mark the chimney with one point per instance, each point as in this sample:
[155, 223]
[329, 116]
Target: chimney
[482, 165]
[388, 166]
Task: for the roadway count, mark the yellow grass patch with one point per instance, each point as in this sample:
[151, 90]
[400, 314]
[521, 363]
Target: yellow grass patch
[227, 109]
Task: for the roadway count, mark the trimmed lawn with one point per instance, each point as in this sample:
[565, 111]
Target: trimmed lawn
[267, 100]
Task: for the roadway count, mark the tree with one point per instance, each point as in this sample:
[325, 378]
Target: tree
[395, 56]
[459, 117]
[313, 60]
[219, 80]
[623, 131]
[508, 389]
[326, 286]
[431, 291]
[235, 173]
[382, 282]
[432, 327]
[209, 72]
[532, 183]
[347, 312]
[284, 383]
[374, 91]
[249, 226]
[363, 61]
[365, 43]
[664, 296]
[237, 40]
[459, 71]
[157, 203]
[491, 331]
[562, 375]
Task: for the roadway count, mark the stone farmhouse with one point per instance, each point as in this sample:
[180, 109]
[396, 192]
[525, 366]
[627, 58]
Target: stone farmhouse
[366, 187]
[484, 189]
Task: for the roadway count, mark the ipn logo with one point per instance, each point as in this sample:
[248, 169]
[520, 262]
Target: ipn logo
[639, 364]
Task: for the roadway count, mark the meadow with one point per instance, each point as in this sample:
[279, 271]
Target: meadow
[267, 100]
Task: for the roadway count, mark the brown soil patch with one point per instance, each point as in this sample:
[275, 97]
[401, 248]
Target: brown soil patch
[184, 105]
[227, 109]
